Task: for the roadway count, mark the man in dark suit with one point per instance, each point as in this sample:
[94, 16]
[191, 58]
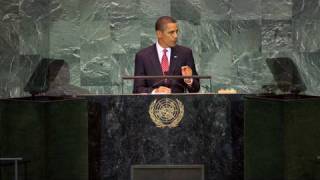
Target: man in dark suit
[165, 58]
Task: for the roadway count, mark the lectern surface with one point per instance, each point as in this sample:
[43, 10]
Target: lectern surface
[168, 130]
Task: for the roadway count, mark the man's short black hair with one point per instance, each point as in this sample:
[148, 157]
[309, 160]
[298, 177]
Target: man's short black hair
[162, 21]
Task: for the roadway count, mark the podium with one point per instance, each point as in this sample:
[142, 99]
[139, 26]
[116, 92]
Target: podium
[114, 137]
[209, 134]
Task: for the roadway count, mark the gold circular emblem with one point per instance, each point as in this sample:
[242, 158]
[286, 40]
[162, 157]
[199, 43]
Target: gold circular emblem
[166, 112]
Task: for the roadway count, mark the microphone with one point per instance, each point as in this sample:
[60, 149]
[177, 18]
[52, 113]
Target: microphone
[170, 83]
[165, 74]
[162, 82]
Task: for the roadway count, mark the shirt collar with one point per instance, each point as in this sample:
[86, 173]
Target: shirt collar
[160, 49]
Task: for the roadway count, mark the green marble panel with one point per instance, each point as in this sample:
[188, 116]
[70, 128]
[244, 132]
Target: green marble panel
[277, 35]
[95, 52]
[246, 36]
[216, 54]
[251, 72]
[126, 67]
[34, 27]
[23, 38]
[96, 45]
[125, 24]
[148, 33]
[246, 9]
[34, 37]
[306, 9]
[155, 8]
[15, 75]
[9, 10]
[126, 34]
[9, 37]
[64, 10]
[215, 35]
[64, 35]
[95, 33]
[306, 35]
[103, 36]
[9, 50]
[247, 61]
[215, 9]
[277, 9]
[191, 10]
[64, 27]
[309, 65]
[100, 71]
[190, 37]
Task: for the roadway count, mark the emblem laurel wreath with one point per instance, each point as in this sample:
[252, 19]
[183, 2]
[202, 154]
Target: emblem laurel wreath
[166, 112]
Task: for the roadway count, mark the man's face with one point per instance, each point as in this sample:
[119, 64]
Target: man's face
[169, 36]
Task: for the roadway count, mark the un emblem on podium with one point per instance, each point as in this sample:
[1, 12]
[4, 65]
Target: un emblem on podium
[166, 112]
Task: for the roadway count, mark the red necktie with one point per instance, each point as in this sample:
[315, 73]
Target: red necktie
[164, 62]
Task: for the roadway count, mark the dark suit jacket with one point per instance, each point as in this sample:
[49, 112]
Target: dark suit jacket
[147, 64]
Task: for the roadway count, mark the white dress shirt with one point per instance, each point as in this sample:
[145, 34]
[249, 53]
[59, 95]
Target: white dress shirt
[160, 52]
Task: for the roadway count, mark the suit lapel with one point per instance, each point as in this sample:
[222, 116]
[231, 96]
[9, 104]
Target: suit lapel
[173, 61]
[155, 61]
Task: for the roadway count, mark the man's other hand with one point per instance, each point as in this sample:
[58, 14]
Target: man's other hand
[162, 90]
[187, 71]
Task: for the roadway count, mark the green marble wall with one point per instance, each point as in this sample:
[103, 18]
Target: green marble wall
[98, 39]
